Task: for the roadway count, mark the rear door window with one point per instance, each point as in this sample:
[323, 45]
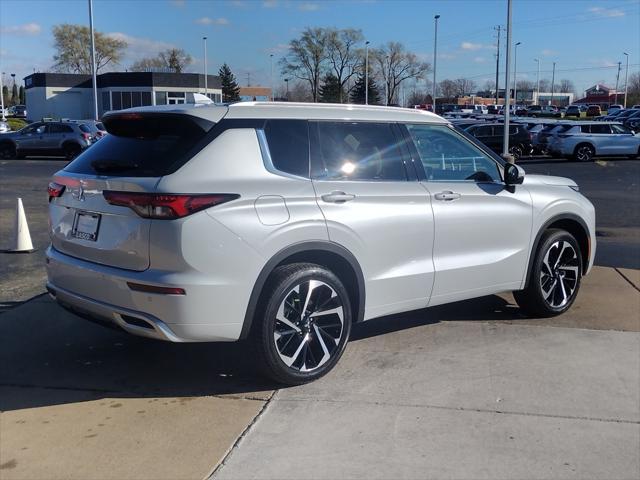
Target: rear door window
[356, 151]
[601, 129]
[143, 145]
[288, 142]
[58, 128]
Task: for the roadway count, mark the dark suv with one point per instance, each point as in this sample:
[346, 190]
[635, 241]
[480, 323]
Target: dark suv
[491, 134]
[68, 139]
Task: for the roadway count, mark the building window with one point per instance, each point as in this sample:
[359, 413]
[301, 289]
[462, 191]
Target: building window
[176, 97]
[136, 100]
[161, 98]
[106, 101]
[116, 100]
[126, 99]
[146, 99]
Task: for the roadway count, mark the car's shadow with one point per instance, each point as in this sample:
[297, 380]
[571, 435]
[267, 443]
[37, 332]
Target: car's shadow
[50, 357]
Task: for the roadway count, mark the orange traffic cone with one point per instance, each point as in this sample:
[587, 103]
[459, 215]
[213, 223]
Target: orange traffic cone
[22, 238]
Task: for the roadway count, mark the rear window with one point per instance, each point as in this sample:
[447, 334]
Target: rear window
[288, 142]
[84, 128]
[564, 128]
[143, 146]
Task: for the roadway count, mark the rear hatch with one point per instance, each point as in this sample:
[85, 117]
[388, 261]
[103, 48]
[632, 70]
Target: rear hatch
[141, 148]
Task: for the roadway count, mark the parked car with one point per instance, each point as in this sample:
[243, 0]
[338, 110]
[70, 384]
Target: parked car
[305, 199]
[636, 106]
[480, 110]
[543, 111]
[492, 135]
[632, 121]
[541, 140]
[534, 131]
[67, 139]
[572, 111]
[614, 108]
[521, 110]
[610, 116]
[493, 109]
[593, 111]
[624, 115]
[586, 140]
[18, 111]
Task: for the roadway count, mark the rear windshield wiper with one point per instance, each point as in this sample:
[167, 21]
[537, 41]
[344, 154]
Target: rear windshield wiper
[112, 166]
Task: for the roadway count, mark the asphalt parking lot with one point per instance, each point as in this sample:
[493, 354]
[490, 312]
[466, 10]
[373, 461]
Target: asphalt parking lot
[469, 390]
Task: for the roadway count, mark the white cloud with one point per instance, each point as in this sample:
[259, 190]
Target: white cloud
[138, 48]
[212, 21]
[26, 29]
[548, 53]
[308, 7]
[474, 46]
[479, 59]
[446, 56]
[607, 12]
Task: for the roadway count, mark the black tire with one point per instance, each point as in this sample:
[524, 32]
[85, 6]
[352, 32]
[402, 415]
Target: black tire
[7, 151]
[516, 151]
[280, 292]
[71, 151]
[559, 275]
[584, 153]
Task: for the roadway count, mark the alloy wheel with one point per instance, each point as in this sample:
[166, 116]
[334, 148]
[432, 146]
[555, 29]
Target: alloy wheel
[559, 274]
[309, 326]
[584, 153]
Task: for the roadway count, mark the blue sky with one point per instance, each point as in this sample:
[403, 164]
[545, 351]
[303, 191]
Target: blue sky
[585, 38]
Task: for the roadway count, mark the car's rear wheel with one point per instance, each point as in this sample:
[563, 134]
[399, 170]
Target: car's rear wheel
[71, 151]
[584, 153]
[516, 151]
[7, 151]
[554, 279]
[303, 325]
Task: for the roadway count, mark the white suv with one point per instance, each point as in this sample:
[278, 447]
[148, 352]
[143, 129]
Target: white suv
[287, 223]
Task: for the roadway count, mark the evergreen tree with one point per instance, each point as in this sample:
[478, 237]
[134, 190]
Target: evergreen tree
[5, 95]
[230, 88]
[14, 94]
[21, 94]
[330, 89]
[358, 91]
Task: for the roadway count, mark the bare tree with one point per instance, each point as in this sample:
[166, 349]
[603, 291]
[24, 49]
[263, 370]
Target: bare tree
[343, 55]
[545, 85]
[633, 91]
[395, 65]
[464, 86]
[305, 58]
[490, 85]
[525, 85]
[300, 92]
[73, 51]
[448, 88]
[566, 86]
[153, 64]
[172, 59]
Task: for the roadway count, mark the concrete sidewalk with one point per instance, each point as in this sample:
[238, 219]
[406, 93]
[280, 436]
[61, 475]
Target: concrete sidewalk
[466, 390]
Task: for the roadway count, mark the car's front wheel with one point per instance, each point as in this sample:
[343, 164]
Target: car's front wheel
[554, 278]
[303, 325]
[7, 151]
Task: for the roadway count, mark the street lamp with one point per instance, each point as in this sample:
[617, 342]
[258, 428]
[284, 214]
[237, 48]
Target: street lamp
[553, 81]
[366, 73]
[537, 82]
[204, 41]
[386, 81]
[515, 75]
[286, 81]
[93, 62]
[2, 98]
[626, 76]
[435, 58]
[271, 64]
[505, 138]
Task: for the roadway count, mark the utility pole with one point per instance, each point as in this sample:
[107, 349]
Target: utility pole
[271, 64]
[2, 99]
[366, 73]
[553, 81]
[204, 39]
[93, 63]
[435, 59]
[505, 138]
[286, 81]
[626, 77]
[248, 79]
[537, 60]
[386, 81]
[515, 76]
[617, 81]
[498, 28]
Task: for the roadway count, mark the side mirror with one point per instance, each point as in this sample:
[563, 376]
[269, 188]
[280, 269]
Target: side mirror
[513, 174]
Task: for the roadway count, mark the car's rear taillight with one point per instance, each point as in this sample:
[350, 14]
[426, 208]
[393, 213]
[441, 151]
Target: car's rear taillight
[86, 136]
[55, 190]
[166, 206]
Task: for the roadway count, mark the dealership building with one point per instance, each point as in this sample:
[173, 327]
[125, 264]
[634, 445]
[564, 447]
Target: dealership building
[67, 95]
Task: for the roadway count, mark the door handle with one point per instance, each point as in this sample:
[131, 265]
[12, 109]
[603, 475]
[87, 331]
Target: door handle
[337, 197]
[447, 196]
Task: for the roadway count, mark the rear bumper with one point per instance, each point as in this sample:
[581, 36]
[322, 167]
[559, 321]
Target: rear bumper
[206, 313]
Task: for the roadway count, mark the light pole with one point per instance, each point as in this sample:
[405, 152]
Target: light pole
[505, 138]
[626, 76]
[286, 81]
[204, 41]
[271, 65]
[617, 81]
[537, 82]
[435, 59]
[93, 62]
[386, 81]
[553, 81]
[515, 76]
[366, 72]
[2, 98]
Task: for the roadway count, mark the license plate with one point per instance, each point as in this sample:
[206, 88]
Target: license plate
[86, 225]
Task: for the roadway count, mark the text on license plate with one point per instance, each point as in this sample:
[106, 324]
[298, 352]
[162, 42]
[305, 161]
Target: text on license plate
[86, 225]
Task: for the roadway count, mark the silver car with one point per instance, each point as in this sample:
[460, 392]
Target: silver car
[288, 223]
[585, 140]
